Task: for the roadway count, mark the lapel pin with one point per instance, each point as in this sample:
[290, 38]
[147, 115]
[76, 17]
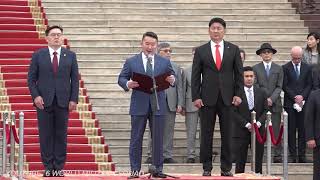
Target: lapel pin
[64, 55]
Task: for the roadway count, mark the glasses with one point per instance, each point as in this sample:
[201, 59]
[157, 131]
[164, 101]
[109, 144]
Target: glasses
[266, 51]
[166, 50]
[55, 34]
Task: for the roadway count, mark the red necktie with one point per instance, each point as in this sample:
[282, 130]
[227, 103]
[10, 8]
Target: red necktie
[218, 57]
[55, 62]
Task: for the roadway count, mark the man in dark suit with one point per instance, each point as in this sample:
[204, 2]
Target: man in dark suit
[254, 99]
[219, 65]
[297, 84]
[54, 85]
[142, 106]
[312, 129]
[269, 77]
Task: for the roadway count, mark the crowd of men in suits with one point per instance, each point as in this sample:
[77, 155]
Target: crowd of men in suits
[217, 85]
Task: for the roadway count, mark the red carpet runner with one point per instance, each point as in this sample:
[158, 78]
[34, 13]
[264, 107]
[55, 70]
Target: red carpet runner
[22, 25]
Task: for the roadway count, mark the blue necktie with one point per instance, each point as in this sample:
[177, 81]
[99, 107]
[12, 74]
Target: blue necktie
[250, 99]
[267, 70]
[297, 71]
[149, 69]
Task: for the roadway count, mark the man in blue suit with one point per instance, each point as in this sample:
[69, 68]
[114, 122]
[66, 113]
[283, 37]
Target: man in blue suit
[54, 86]
[142, 104]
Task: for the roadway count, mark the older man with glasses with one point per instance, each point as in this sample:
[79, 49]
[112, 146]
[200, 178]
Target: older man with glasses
[269, 77]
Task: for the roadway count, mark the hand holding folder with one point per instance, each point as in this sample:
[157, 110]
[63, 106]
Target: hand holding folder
[146, 84]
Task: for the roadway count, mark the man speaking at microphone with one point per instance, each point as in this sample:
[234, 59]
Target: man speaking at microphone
[152, 65]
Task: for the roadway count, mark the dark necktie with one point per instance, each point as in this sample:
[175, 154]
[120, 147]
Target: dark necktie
[218, 57]
[149, 69]
[267, 70]
[297, 71]
[55, 63]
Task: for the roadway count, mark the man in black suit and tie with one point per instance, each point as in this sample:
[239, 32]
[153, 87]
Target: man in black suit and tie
[54, 85]
[297, 84]
[312, 129]
[219, 65]
[254, 99]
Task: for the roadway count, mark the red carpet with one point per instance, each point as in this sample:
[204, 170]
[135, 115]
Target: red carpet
[22, 24]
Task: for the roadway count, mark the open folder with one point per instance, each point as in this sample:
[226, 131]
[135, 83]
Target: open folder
[146, 84]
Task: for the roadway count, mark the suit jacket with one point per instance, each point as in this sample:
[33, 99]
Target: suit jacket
[140, 101]
[315, 77]
[174, 93]
[293, 86]
[271, 85]
[228, 81]
[242, 113]
[312, 117]
[42, 81]
[186, 86]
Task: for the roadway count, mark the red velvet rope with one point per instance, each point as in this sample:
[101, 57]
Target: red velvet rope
[15, 134]
[260, 139]
[8, 133]
[273, 140]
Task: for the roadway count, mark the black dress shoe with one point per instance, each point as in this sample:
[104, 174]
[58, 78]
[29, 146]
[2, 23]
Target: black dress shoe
[277, 160]
[226, 173]
[292, 159]
[169, 160]
[191, 160]
[206, 173]
[304, 160]
[47, 173]
[159, 175]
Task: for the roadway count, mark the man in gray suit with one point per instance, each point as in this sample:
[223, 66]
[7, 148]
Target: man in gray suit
[191, 113]
[174, 98]
[269, 77]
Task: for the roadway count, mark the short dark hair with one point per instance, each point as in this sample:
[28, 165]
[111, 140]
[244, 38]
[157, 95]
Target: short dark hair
[150, 34]
[218, 20]
[247, 68]
[49, 28]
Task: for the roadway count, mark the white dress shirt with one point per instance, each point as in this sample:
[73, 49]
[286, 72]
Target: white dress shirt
[213, 49]
[51, 51]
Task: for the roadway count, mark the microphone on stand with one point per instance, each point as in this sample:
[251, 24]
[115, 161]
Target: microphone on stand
[154, 85]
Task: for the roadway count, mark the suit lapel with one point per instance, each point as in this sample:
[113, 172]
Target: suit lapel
[48, 59]
[226, 53]
[140, 65]
[62, 60]
[209, 56]
[157, 64]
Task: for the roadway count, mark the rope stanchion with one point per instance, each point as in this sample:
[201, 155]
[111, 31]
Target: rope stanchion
[15, 134]
[7, 126]
[278, 140]
[260, 139]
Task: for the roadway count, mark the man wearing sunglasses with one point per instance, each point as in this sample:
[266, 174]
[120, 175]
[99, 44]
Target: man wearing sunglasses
[269, 77]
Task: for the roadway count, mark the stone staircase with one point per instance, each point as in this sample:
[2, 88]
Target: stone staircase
[104, 33]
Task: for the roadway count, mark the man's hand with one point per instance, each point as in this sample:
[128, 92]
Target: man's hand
[236, 100]
[311, 144]
[269, 102]
[132, 84]
[179, 109]
[298, 99]
[249, 127]
[170, 79]
[38, 101]
[258, 124]
[72, 106]
[198, 103]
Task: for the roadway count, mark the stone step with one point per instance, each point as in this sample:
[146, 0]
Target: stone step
[136, 49]
[296, 172]
[185, 63]
[182, 150]
[200, 37]
[180, 42]
[204, 22]
[169, 17]
[168, 11]
[181, 159]
[177, 57]
[179, 29]
[146, 5]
